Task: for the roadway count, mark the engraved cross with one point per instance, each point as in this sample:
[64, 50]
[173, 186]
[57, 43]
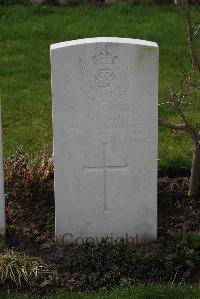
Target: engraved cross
[105, 168]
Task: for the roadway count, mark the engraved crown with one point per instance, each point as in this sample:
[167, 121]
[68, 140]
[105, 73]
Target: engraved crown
[105, 58]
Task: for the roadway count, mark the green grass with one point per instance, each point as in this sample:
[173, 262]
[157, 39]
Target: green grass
[26, 33]
[140, 292]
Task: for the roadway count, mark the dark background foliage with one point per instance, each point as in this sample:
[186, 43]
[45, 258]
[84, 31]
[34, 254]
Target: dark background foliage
[55, 2]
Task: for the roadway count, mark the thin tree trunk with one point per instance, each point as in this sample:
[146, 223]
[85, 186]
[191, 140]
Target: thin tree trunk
[194, 188]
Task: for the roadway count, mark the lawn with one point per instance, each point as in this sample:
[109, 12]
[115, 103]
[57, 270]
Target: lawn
[140, 292]
[26, 33]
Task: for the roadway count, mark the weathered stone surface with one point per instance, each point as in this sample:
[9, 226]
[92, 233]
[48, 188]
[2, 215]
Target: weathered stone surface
[105, 138]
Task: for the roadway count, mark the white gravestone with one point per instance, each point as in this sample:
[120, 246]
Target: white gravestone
[105, 138]
[2, 202]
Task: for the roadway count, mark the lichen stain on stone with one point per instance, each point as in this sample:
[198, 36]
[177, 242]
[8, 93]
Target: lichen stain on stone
[143, 51]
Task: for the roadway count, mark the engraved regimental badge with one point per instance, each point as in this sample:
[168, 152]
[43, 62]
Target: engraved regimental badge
[103, 77]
